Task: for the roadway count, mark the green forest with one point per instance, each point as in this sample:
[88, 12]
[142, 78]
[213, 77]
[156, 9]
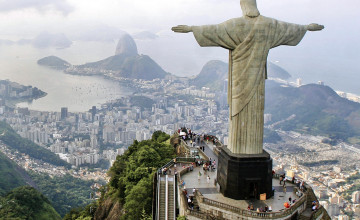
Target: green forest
[26, 202]
[10, 177]
[63, 192]
[131, 182]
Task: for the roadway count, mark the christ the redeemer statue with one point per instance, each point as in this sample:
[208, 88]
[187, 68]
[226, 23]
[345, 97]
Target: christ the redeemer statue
[248, 39]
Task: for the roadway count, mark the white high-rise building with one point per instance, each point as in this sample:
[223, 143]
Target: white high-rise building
[355, 197]
[93, 141]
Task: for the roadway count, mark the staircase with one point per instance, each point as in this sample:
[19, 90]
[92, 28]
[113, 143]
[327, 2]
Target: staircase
[196, 205]
[306, 215]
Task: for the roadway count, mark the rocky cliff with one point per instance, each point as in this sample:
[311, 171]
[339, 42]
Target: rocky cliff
[126, 45]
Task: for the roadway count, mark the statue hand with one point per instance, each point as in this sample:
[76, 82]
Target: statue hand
[182, 29]
[315, 27]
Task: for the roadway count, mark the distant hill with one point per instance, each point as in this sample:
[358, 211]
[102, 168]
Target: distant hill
[134, 67]
[6, 42]
[9, 137]
[26, 202]
[318, 110]
[51, 40]
[126, 63]
[212, 75]
[44, 40]
[54, 62]
[215, 72]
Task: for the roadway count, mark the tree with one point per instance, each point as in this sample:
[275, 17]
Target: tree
[132, 174]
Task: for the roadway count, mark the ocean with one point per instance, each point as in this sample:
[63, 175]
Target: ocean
[18, 63]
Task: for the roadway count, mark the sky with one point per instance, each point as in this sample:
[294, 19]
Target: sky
[333, 51]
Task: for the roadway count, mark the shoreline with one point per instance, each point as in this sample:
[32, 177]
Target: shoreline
[12, 103]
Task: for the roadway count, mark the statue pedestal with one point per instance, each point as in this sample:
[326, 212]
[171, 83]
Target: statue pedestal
[244, 176]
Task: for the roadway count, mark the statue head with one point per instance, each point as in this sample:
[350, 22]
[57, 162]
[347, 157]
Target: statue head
[249, 8]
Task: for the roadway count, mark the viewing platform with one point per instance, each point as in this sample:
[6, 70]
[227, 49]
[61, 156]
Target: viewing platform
[198, 196]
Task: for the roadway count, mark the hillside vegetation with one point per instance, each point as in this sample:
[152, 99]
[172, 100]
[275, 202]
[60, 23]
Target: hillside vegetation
[26, 202]
[318, 110]
[10, 177]
[64, 192]
[129, 193]
[14, 141]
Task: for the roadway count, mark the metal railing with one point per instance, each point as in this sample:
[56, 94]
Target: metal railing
[166, 197]
[174, 198]
[178, 160]
[249, 213]
[158, 197]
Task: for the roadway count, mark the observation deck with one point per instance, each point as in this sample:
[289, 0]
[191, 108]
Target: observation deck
[199, 185]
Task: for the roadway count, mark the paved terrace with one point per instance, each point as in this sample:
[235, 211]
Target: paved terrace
[209, 191]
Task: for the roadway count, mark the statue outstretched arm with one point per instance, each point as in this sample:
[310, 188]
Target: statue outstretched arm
[209, 35]
[314, 27]
[182, 29]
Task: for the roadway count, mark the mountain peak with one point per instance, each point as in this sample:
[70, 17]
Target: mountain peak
[126, 45]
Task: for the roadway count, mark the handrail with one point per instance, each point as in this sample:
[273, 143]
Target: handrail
[188, 149]
[305, 185]
[178, 160]
[249, 213]
[158, 198]
[174, 197]
[166, 196]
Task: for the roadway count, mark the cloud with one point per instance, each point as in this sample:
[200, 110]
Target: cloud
[41, 5]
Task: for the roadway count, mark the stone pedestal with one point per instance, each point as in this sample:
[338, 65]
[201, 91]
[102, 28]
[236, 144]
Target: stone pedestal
[244, 176]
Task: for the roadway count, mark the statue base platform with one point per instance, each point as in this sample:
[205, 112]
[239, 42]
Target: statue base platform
[244, 176]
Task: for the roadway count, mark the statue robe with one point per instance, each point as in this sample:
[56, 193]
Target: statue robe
[249, 41]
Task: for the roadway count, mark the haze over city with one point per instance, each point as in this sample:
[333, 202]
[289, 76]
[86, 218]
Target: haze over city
[329, 55]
